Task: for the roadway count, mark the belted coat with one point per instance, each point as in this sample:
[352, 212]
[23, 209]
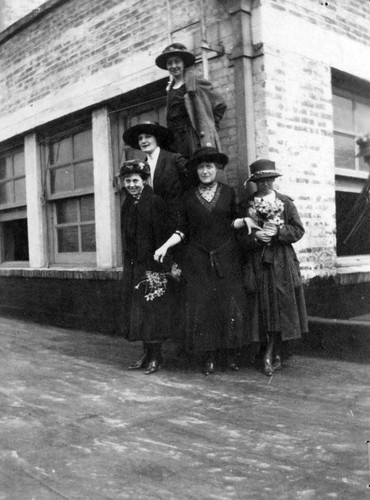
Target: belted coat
[272, 278]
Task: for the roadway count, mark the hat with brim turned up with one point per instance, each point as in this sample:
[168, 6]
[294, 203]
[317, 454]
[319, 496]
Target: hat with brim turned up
[130, 167]
[175, 49]
[262, 169]
[163, 135]
[208, 154]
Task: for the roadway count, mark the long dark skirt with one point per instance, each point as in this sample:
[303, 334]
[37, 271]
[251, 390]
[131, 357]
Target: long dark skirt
[186, 140]
[144, 316]
[215, 304]
[266, 314]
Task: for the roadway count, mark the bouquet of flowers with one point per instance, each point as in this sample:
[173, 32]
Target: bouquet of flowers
[156, 282]
[265, 213]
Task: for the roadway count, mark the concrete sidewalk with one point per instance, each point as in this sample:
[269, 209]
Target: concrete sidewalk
[75, 424]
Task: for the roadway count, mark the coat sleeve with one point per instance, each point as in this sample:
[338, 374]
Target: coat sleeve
[246, 242]
[161, 221]
[215, 98]
[293, 229]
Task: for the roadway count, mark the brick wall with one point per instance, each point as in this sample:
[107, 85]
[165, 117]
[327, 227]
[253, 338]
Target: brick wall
[83, 52]
[348, 18]
[301, 40]
[294, 128]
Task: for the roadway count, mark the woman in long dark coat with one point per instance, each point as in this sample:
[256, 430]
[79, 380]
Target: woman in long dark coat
[195, 106]
[146, 303]
[215, 299]
[272, 279]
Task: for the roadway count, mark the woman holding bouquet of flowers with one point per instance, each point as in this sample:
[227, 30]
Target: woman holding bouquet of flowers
[215, 298]
[146, 302]
[269, 225]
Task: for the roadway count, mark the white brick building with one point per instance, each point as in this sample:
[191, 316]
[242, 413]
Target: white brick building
[75, 73]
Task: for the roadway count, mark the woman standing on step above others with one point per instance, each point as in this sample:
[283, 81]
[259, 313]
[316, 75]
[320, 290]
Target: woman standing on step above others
[194, 106]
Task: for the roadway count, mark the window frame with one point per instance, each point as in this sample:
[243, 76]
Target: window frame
[51, 200]
[350, 181]
[13, 151]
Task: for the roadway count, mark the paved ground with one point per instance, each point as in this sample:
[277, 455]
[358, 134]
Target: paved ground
[75, 424]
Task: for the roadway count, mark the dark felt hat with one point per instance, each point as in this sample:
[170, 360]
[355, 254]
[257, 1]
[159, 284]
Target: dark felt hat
[262, 169]
[139, 167]
[175, 49]
[163, 135]
[210, 154]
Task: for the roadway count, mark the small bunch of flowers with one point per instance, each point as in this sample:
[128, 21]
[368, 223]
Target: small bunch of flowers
[156, 282]
[263, 211]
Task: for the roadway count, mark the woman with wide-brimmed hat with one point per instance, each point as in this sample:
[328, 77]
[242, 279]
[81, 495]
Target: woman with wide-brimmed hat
[270, 223]
[169, 179]
[168, 174]
[215, 299]
[146, 283]
[194, 106]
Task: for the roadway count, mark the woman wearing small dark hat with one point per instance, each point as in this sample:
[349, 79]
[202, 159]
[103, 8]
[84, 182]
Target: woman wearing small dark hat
[215, 299]
[269, 225]
[194, 107]
[146, 301]
[169, 179]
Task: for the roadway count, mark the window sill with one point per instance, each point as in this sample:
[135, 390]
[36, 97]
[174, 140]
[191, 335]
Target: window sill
[61, 273]
[353, 269]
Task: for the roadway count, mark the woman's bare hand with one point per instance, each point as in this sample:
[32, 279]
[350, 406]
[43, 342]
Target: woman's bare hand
[270, 228]
[160, 253]
[262, 236]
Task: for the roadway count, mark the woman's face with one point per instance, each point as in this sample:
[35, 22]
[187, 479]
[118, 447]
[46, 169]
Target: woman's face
[265, 186]
[207, 172]
[175, 66]
[133, 183]
[147, 143]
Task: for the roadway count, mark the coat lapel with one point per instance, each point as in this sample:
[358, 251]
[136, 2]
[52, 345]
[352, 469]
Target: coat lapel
[159, 168]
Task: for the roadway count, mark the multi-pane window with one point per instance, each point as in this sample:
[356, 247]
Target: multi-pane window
[71, 193]
[12, 179]
[13, 216]
[351, 120]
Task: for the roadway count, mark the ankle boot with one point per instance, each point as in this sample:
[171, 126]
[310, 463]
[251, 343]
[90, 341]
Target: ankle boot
[155, 359]
[143, 360]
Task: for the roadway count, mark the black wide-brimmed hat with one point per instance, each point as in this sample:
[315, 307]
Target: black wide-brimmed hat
[175, 49]
[139, 167]
[163, 135]
[207, 153]
[262, 169]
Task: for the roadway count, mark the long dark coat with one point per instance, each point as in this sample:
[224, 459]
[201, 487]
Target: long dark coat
[205, 108]
[143, 229]
[215, 298]
[170, 177]
[272, 278]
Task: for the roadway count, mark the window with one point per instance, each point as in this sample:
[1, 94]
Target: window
[70, 193]
[351, 107]
[13, 217]
[12, 179]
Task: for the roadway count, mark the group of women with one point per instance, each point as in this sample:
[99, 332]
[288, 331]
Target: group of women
[199, 269]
